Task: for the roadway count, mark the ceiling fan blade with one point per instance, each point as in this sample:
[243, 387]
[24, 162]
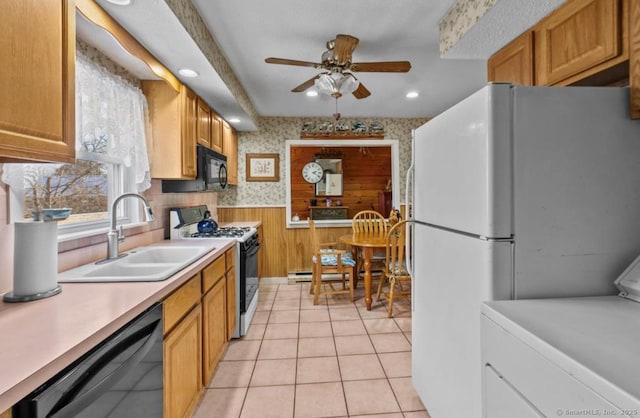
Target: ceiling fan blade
[382, 67]
[302, 87]
[361, 92]
[285, 61]
[343, 47]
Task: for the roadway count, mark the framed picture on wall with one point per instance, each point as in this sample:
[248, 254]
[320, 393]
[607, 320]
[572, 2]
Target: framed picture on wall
[263, 167]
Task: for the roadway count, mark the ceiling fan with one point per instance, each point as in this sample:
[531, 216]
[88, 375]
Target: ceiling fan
[337, 77]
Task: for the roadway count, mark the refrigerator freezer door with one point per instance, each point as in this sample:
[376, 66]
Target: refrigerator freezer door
[576, 190]
[455, 273]
[462, 162]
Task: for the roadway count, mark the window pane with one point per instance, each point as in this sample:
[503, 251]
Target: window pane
[82, 186]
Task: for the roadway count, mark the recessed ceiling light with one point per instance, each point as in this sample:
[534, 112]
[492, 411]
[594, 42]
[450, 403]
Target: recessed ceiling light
[234, 120]
[120, 2]
[187, 72]
[312, 93]
[412, 94]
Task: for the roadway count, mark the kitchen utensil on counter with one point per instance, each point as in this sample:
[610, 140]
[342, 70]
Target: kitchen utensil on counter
[207, 225]
[35, 259]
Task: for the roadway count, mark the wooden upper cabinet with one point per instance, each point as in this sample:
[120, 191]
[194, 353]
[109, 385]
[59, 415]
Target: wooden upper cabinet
[174, 122]
[204, 124]
[37, 98]
[230, 149]
[578, 36]
[514, 62]
[216, 132]
[634, 57]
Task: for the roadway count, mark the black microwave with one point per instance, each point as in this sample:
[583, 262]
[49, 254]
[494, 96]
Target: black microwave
[211, 174]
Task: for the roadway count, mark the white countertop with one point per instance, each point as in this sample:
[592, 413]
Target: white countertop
[42, 337]
[594, 339]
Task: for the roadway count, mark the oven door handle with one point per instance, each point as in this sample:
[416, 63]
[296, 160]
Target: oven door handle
[254, 249]
[74, 406]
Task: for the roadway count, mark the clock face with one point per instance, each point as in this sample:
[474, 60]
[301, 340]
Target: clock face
[312, 172]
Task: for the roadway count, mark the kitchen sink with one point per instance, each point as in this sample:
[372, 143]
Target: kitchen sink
[143, 264]
[160, 255]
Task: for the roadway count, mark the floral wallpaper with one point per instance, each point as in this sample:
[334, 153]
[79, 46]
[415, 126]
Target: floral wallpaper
[459, 19]
[186, 12]
[270, 138]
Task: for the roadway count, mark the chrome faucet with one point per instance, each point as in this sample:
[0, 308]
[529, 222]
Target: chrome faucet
[114, 236]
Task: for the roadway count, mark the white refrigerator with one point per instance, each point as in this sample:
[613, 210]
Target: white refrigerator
[516, 192]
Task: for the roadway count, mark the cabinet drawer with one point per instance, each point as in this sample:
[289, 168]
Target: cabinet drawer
[546, 386]
[230, 256]
[501, 400]
[212, 273]
[180, 302]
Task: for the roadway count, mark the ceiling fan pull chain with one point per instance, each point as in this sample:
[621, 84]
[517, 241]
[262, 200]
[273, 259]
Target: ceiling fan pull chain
[336, 115]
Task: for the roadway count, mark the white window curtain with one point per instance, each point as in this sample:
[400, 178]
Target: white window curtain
[111, 118]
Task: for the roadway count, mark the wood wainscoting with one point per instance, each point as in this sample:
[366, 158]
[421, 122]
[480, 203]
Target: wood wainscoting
[283, 250]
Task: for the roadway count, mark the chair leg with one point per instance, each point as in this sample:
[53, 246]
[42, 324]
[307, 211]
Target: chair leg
[313, 279]
[392, 286]
[380, 282]
[351, 283]
[316, 296]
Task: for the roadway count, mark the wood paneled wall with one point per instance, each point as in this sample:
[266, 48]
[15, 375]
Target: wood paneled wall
[366, 172]
[283, 250]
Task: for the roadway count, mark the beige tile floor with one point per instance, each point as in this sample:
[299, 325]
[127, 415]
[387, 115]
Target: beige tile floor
[335, 359]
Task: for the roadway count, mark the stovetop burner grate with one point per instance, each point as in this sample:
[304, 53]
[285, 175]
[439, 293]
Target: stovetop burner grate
[225, 232]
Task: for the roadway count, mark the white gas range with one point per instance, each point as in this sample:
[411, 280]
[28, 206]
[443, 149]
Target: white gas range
[183, 223]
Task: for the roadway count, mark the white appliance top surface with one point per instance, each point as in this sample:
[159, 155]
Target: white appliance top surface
[595, 339]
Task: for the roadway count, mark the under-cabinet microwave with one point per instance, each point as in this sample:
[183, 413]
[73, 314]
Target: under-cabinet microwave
[211, 174]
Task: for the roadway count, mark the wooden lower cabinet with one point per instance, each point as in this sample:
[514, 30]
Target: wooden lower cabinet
[214, 329]
[199, 318]
[231, 302]
[183, 366]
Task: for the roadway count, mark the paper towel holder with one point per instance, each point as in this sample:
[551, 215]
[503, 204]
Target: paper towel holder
[11, 297]
[33, 281]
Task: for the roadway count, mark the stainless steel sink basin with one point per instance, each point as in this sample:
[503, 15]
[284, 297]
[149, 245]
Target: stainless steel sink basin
[143, 264]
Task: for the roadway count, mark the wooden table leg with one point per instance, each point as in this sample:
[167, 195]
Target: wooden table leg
[367, 254]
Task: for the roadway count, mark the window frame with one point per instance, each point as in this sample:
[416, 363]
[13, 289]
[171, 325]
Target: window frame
[120, 179]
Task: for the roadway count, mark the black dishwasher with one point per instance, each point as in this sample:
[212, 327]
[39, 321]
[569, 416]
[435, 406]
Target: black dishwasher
[121, 377]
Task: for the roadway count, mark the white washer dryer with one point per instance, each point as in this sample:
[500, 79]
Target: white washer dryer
[563, 357]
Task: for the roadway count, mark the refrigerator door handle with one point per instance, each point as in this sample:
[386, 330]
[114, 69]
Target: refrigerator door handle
[408, 195]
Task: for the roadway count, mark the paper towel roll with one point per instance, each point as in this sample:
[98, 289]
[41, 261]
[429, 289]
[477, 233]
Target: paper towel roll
[35, 260]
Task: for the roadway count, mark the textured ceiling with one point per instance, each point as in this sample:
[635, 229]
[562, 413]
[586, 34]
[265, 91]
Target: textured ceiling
[501, 22]
[235, 80]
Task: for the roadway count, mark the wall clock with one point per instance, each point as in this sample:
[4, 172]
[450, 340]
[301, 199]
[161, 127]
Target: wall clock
[312, 172]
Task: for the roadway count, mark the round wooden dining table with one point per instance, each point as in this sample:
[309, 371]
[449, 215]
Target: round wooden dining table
[368, 243]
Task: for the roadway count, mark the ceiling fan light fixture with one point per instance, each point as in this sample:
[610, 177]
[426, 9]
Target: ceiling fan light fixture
[336, 84]
[312, 93]
[187, 72]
